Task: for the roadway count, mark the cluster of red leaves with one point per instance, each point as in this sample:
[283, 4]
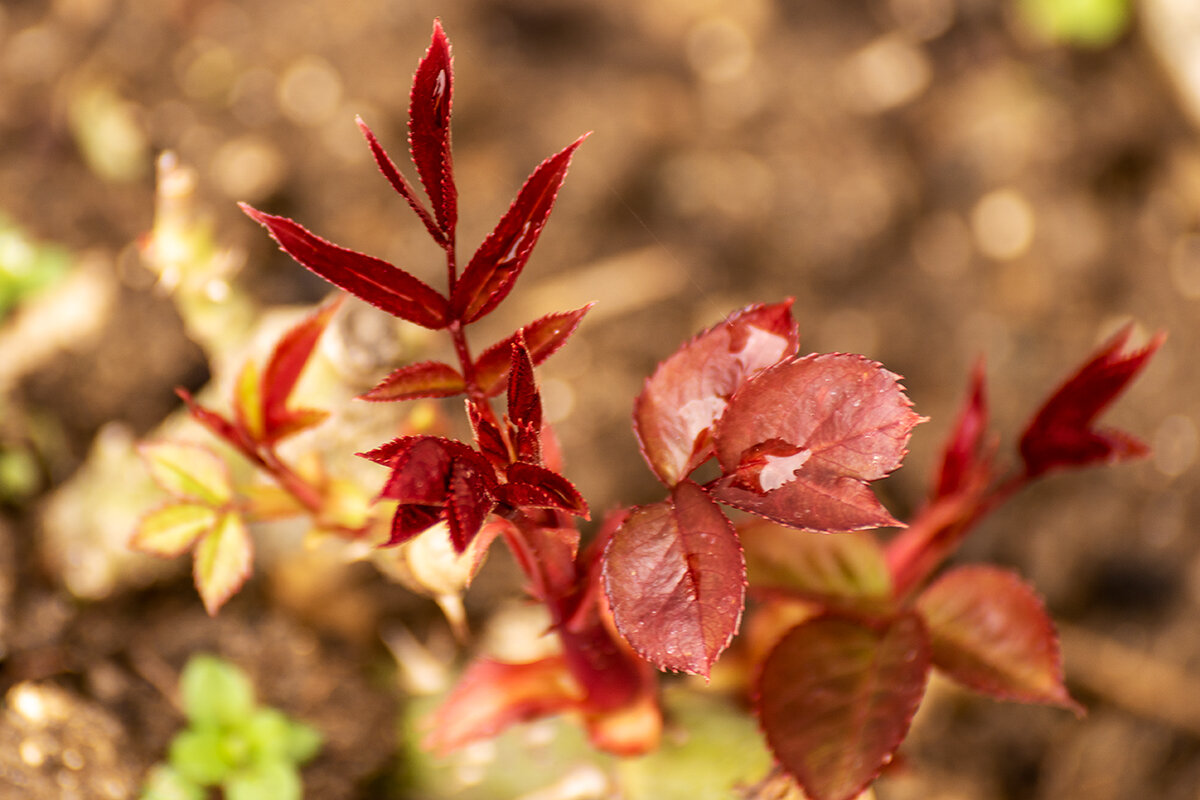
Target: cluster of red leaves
[847, 630]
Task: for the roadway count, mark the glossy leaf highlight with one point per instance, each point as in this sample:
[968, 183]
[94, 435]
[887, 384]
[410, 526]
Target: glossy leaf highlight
[800, 441]
[687, 394]
[991, 632]
[494, 268]
[836, 697]
[675, 581]
[429, 130]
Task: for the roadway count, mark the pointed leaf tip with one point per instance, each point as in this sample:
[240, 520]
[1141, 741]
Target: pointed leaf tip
[430, 103]
[373, 280]
[494, 268]
[223, 561]
[398, 182]
[1063, 434]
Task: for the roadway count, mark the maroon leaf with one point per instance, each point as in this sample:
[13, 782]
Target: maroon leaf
[492, 695]
[542, 337]
[499, 260]
[488, 439]
[836, 697]
[376, 281]
[429, 129]
[524, 401]
[426, 379]
[531, 485]
[688, 392]
[799, 442]
[991, 633]
[387, 453]
[675, 580]
[1062, 432]
[398, 182]
[411, 521]
[468, 500]
[288, 359]
[966, 457]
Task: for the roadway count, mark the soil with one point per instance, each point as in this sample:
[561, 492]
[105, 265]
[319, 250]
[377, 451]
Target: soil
[928, 179]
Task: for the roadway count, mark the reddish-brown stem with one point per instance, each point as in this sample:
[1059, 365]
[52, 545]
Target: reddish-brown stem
[938, 530]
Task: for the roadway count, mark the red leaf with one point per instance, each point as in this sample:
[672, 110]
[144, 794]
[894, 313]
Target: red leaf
[675, 580]
[468, 500]
[688, 392]
[991, 633]
[524, 401]
[499, 260]
[492, 695]
[387, 453]
[1062, 432]
[429, 129]
[288, 359]
[488, 439]
[966, 457]
[411, 521]
[542, 337]
[531, 485]
[371, 279]
[218, 425]
[799, 442]
[426, 379]
[836, 697]
[402, 187]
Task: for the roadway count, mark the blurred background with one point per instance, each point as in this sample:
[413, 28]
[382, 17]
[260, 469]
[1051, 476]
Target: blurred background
[933, 181]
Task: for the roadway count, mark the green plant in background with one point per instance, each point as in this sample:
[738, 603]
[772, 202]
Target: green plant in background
[26, 266]
[1084, 23]
[251, 752]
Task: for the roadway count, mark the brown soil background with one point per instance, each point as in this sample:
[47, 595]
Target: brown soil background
[926, 178]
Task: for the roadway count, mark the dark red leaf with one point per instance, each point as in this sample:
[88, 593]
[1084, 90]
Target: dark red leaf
[1062, 432]
[487, 437]
[531, 485]
[402, 187]
[411, 521]
[288, 359]
[426, 379]
[966, 457]
[675, 580]
[492, 695]
[799, 442]
[836, 697]
[387, 453]
[499, 260]
[991, 632]
[371, 279]
[688, 392]
[421, 473]
[429, 129]
[542, 337]
[468, 500]
[524, 401]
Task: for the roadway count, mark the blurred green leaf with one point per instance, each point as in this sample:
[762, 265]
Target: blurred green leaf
[1086, 23]
[216, 693]
[274, 780]
[198, 756]
[166, 783]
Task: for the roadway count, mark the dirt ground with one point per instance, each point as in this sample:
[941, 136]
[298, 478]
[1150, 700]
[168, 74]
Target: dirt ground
[928, 179]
